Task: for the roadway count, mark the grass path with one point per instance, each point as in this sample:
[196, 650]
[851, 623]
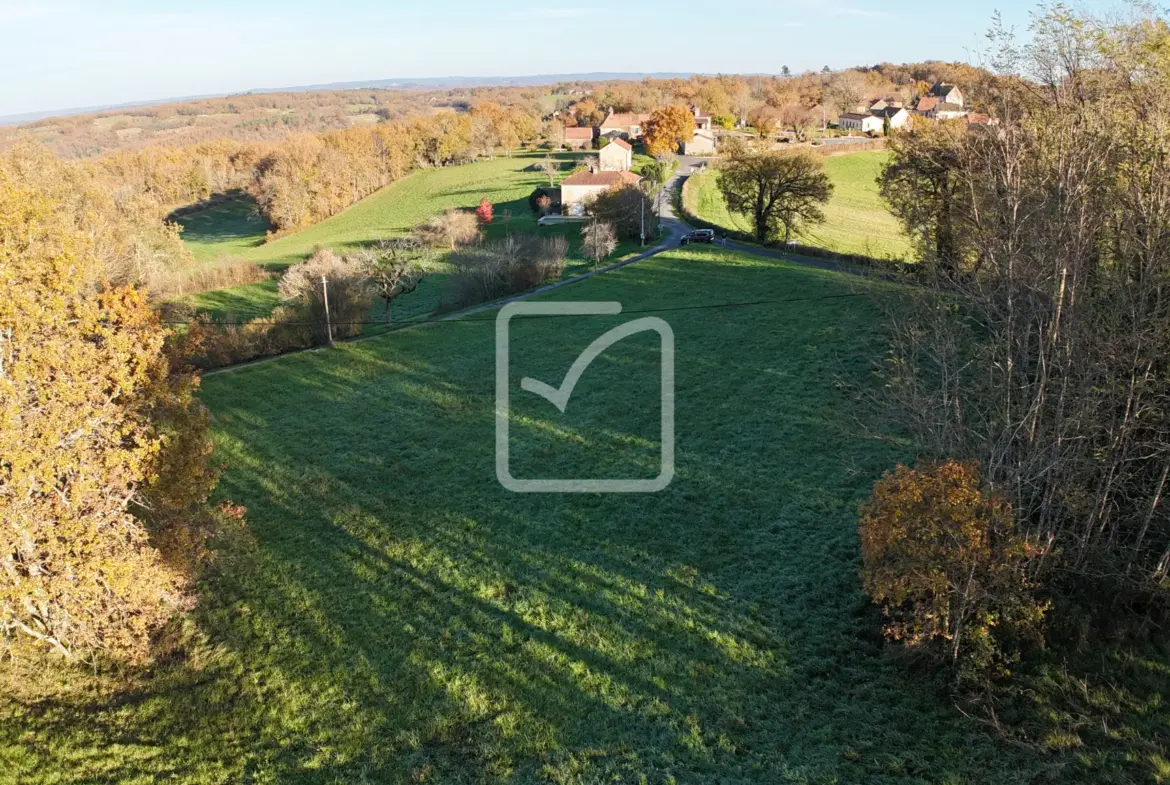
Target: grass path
[856, 219]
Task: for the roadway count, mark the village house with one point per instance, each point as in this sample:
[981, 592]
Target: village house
[702, 122]
[864, 123]
[617, 156]
[578, 190]
[946, 93]
[578, 138]
[624, 125]
[702, 143]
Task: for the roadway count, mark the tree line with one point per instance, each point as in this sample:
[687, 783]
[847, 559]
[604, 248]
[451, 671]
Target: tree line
[1032, 366]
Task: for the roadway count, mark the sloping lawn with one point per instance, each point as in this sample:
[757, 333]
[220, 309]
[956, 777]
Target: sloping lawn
[856, 219]
[392, 211]
[404, 619]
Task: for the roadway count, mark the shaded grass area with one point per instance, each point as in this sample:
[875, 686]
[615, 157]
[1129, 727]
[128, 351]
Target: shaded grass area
[856, 219]
[391, 212]
[405, 619]
[224, 231]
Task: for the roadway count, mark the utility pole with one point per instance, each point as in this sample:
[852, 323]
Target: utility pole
[325, 296]
[642, 221]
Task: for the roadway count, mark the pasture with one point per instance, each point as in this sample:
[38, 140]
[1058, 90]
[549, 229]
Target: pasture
[856, 219]
[402, 618]
[233, 230]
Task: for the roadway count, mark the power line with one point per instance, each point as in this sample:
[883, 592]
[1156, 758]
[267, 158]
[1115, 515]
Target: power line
[469, 319]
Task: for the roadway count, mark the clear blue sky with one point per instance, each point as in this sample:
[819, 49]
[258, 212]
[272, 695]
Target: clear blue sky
[57, 54]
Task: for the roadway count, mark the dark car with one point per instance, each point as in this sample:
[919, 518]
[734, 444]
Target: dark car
[699, 236]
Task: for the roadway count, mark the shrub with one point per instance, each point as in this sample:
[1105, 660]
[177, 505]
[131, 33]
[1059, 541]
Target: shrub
[941, 558]
[492, 270]
[349, 291]
[450, 229]
[206, 278]
[484, 211]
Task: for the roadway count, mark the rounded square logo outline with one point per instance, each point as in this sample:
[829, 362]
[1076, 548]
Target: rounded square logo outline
[587, 308]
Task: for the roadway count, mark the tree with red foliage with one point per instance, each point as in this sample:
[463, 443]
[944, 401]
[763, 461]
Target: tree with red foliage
[484, 211]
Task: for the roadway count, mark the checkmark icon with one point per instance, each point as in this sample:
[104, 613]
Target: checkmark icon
[559, 396]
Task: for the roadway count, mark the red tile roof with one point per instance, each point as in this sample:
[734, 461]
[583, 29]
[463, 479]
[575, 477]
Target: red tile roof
[577, 132]
[623, 144]
[927, 103]
[602, 179]
[624, 120]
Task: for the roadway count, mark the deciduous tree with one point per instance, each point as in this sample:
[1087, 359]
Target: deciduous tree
[668, 128]
[395, 267]
[599, 240]
[103, 449]
[778, 191]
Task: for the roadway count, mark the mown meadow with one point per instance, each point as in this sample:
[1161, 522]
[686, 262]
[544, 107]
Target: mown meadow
[233, 231]
[856, 219]
[400, 617]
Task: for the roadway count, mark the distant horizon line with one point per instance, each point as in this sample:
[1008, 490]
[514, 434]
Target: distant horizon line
[436, 82]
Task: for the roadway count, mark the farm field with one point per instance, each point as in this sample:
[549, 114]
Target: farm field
[233, 230]
[402, 618]
[856, 219]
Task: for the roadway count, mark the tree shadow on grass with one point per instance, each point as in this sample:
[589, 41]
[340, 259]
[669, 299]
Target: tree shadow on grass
[404, 618]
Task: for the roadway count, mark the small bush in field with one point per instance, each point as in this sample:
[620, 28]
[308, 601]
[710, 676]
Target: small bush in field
[349, 291]
[941, 557]
[490, 270]
[484, 211]
[450, 229]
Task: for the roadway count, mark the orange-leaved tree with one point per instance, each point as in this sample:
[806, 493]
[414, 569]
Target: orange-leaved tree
[669, 127]
[941, 557]
[104, 453]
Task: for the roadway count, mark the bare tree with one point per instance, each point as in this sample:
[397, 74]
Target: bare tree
[550, 166]
[798, 119]
[600, 240]
[394, 267]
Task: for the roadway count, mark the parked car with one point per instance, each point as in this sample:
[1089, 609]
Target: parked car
[699, 236]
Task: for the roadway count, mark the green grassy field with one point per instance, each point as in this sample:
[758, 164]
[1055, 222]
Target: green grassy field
[234, 230]
[404, 619]
[856, 219]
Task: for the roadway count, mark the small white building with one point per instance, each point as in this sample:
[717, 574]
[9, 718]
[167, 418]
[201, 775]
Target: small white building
[863, 123]
[702, 143]
[579, 189]
[617, 156]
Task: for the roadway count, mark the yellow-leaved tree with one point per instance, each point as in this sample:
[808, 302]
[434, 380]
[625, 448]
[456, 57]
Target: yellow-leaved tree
[104, 453]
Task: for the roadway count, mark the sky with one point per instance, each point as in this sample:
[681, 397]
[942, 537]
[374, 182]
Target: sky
[61, 54]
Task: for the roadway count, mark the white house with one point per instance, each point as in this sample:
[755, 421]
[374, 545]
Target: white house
[617, 156]
[702, 143]
[897, 116]
[579, 189]
[864, 123]
[947, 94]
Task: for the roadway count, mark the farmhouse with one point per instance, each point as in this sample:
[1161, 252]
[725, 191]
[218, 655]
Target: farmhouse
[617, 156]
[579, 189]
[865, 123]
[579, 138]
[702, 121]
[624, 125]
[897, 116]
[702, 143]
[946, 94]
